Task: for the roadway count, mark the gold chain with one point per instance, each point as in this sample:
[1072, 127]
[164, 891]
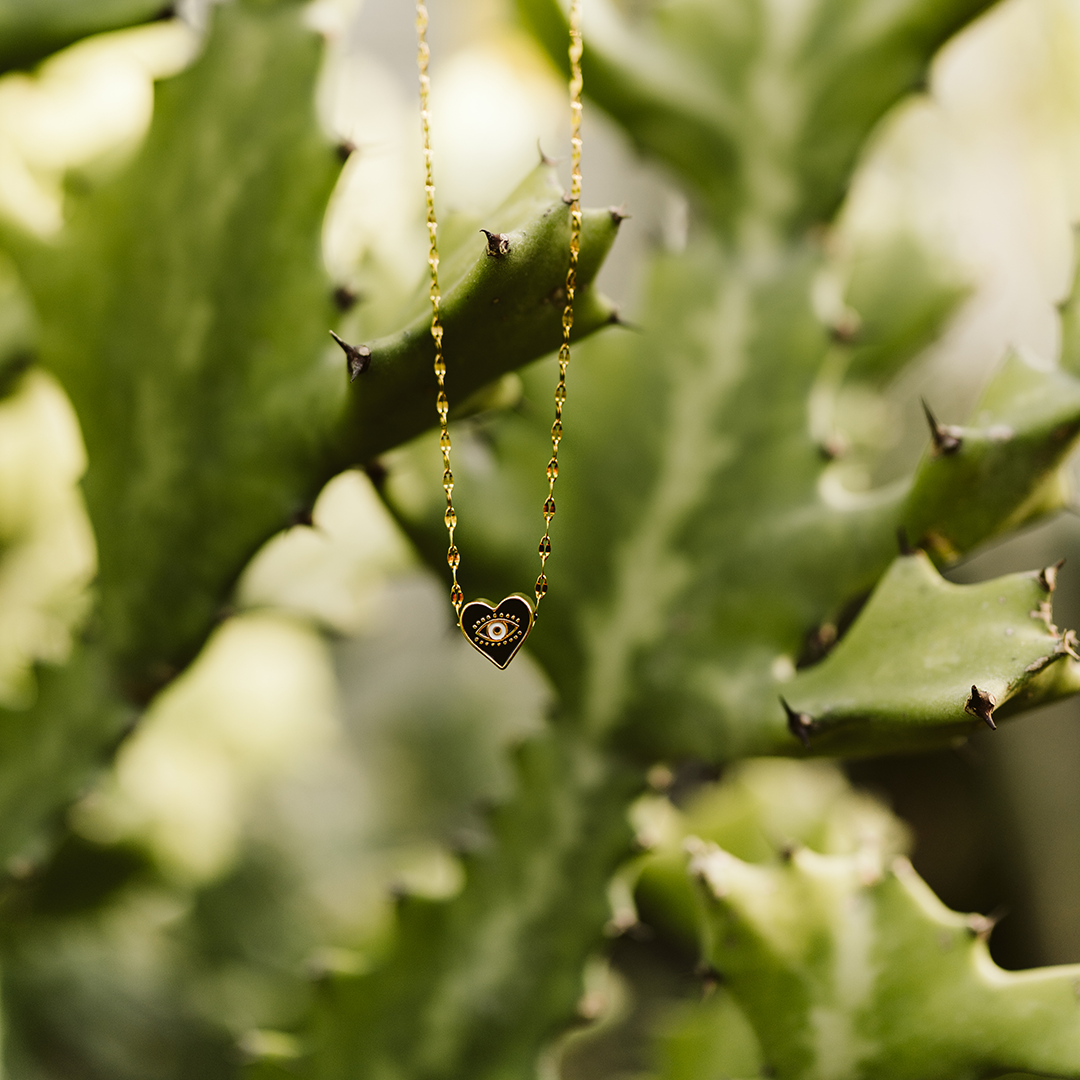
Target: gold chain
[571, 281]
[423, 57]
[442, 403]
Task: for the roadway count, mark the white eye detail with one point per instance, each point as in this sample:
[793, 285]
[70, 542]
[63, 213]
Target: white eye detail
[497, 630]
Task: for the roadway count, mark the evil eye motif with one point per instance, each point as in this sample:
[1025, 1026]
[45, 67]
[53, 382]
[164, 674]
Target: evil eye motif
[497, 630]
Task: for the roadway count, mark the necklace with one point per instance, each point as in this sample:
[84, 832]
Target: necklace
[499, 630]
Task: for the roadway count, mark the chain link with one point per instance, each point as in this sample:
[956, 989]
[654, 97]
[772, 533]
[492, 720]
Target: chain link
[571, 283]
[442, 404]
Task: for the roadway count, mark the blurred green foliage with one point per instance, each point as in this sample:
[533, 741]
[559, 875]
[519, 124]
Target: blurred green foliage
[726, 584]
[32, 29]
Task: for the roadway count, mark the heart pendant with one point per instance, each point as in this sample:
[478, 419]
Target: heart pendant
[497, 630]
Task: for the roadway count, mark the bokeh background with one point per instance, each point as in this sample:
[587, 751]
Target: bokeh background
[336, 740]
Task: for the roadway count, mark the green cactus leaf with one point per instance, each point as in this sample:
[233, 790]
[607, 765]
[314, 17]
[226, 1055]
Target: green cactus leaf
[185, 308]
[213, 403]
[829, 944]
[764, 114]
[762, 807]
[195, 371]
[1022, 429]
[847, 968]
[498, 312]
[50, 750]
[911, 660]
[32, 29]
[475, 985]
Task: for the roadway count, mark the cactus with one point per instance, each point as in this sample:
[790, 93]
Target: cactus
[477, 984]
[1009, 631]
[714, 524]
[497, 312]
[736, 570]
[717, 575]
[875, 976]
[216, 395]
[763, 119]
[829, 943]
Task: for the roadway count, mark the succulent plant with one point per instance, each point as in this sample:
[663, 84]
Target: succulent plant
[825, 939]
[737, 571]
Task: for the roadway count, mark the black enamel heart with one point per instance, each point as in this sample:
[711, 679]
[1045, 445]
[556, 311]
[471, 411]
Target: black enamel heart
[497, 630]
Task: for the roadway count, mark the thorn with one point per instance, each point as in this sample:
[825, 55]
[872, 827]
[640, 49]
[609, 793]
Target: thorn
[660, 777]
[709, 976]
[947, 440]
[902, 542]
[592, 1005]
[799, 724]
[981, 926]
[544, 159]
[1045, 613]
[359, 357]
[377, 473]
[19, 867]
[616, 319]
[345, 298]
[345, 149]
[498, 244]
[981, 704]
[820, 642]
[1048, 575]
[557, 296]
[695, 847]
[868, 864]
[834, 447]
[939, 546]
[1069, 645]
[846, 328]
[618, 214]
